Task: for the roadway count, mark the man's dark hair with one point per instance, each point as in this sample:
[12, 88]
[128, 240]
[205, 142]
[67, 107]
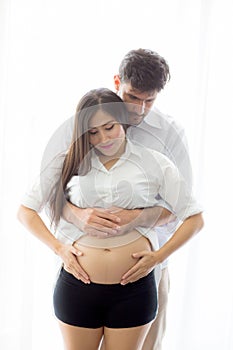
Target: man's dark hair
[145, 69]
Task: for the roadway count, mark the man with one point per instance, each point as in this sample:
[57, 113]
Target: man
[142, 75]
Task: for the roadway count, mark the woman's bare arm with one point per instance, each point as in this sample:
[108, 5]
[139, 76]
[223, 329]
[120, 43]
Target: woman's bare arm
[148, 260]
[33, 222]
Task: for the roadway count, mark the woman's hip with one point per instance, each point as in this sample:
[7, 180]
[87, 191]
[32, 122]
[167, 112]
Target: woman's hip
[95, 305]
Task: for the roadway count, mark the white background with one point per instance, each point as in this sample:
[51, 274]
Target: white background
[51, 53]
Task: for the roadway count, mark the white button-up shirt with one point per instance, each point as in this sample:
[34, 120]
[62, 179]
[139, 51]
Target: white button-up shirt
[157, 131]
[139, 179]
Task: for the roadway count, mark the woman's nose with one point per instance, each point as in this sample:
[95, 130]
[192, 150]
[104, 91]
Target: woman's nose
[103, 137]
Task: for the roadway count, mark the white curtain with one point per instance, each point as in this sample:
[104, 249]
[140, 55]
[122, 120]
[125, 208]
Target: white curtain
[51, 52]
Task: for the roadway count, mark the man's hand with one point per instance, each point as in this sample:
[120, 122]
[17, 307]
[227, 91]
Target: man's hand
[99, 222]
[69, 255]
[113, 221]
[128, 218]
[95, 222]
[147, 261]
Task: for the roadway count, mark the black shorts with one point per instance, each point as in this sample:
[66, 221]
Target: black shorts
[112, 305]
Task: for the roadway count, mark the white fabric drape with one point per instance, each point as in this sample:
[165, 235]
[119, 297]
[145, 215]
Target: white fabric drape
[51, 52]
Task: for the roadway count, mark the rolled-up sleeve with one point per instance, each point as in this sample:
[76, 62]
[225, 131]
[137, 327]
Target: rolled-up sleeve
[175, 191]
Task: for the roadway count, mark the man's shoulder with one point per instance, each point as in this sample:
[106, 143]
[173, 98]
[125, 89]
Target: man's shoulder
[147, 153]
[163, 121]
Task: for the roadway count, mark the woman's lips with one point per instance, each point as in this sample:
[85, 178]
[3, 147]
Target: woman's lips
[106, 146]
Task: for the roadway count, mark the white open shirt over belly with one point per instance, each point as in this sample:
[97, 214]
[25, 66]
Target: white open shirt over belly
[139, 179]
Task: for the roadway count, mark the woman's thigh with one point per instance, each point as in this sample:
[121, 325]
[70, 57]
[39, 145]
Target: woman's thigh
[78, 338]
[125, 338]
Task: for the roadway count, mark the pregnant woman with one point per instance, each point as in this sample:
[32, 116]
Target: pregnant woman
[104, 169]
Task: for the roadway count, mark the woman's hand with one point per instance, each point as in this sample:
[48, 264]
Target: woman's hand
[147, 261]
[69, 254]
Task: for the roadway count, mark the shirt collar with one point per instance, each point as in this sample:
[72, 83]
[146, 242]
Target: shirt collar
[129, 149]
[153, 119]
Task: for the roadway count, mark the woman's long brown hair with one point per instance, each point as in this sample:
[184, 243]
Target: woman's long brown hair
[78, 158]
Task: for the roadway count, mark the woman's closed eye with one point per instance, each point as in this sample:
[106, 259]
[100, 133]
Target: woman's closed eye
[92, 132]
[110, 127]
[106, 127]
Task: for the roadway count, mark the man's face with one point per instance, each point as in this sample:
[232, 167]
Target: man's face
[138, 103]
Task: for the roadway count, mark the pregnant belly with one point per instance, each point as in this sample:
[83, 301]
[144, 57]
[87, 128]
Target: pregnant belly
[107, 265]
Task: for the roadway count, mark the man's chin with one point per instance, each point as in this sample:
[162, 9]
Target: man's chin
[135, 120]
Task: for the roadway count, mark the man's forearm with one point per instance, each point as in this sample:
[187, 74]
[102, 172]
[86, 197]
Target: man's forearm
[154, 216]
[147, 217]
[70, 214]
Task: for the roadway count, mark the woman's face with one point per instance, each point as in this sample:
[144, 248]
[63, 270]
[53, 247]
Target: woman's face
[106, 134]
